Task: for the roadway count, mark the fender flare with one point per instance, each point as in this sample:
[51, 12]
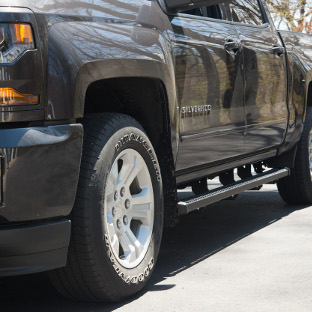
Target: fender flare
[81, 53]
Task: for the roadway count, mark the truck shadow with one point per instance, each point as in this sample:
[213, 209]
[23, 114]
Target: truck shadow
[197, 237]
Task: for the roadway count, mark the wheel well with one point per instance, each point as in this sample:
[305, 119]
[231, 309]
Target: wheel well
[145, 100]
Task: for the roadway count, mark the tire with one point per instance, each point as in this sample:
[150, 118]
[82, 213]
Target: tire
[117, 219]
[297, 188]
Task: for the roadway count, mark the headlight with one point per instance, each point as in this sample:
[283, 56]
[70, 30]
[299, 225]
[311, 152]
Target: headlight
[15, 39]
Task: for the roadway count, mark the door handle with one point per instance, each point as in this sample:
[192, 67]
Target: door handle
[233, 46]
[278, 50]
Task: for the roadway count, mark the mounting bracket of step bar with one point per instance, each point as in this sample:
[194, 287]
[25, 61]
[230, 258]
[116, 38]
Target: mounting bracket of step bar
[223, 192]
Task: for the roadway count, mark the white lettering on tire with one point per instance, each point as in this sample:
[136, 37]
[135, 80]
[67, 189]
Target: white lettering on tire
[128, 279]
[135, 137]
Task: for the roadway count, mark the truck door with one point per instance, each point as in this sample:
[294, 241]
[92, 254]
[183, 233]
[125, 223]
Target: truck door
[209, 77]
[265, 76]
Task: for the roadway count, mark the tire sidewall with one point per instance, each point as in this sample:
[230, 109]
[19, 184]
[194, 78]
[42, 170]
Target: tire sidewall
[128, 281]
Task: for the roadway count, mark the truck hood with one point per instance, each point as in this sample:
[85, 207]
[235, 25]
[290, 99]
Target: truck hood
[34, 5]
[80, 7]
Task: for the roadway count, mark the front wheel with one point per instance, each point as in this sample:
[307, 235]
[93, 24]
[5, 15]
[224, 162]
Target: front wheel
[297, 188]
[117, 218]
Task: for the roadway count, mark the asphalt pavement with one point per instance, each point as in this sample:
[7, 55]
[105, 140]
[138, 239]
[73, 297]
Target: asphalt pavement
[251, 254]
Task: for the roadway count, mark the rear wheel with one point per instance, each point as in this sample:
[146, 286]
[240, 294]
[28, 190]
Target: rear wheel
[117, 218]
[297, 188]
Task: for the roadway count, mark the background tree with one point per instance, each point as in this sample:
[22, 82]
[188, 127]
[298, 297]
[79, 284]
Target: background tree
[291, 14]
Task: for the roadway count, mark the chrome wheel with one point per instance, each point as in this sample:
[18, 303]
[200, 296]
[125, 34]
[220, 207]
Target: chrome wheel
[129, 208]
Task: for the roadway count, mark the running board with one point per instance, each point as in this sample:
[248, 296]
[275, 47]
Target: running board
[223, 192]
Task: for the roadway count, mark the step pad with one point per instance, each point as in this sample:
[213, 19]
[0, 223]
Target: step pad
[223, 192]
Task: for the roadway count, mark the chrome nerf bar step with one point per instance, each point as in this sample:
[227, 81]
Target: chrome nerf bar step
[223, 192]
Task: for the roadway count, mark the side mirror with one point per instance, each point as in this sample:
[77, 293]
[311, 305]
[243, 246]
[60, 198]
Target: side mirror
[176, 6]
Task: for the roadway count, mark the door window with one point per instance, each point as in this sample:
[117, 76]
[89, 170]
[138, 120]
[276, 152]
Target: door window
[212, 11]
[246, 11]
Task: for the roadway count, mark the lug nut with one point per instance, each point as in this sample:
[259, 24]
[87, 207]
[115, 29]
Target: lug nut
[114, 211]
[116, 195]
[118, 224]
[122, 192]
[127, 204]
[125, 220]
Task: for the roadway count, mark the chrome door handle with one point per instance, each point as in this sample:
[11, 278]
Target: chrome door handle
[278, 50]
[233, 46]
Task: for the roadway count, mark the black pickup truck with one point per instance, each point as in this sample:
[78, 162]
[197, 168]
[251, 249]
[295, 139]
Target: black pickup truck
[108, 107]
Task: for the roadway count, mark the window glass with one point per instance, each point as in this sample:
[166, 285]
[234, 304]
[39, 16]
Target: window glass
[246, 11]
[212, 11]
[291, 15]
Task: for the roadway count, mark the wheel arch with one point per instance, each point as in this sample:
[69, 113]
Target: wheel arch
[146, 100]
[90, 61]
[83, 53]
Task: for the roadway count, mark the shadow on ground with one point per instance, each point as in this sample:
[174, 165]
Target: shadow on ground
[197, 237]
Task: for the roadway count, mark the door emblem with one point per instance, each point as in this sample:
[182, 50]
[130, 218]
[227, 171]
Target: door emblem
[195, 111]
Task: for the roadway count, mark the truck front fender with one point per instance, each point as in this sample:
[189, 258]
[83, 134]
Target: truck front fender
[84, 52]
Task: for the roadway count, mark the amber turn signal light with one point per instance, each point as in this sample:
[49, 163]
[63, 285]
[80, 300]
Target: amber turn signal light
[22, 34]
[9, 97]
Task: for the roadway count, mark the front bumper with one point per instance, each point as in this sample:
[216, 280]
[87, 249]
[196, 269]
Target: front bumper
[39, 177]
[33, 248]
[39, 172]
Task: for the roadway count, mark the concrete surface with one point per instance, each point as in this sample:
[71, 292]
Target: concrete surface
[252, 254]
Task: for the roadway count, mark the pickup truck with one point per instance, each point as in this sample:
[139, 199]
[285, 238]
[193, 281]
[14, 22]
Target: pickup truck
[108, 107]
